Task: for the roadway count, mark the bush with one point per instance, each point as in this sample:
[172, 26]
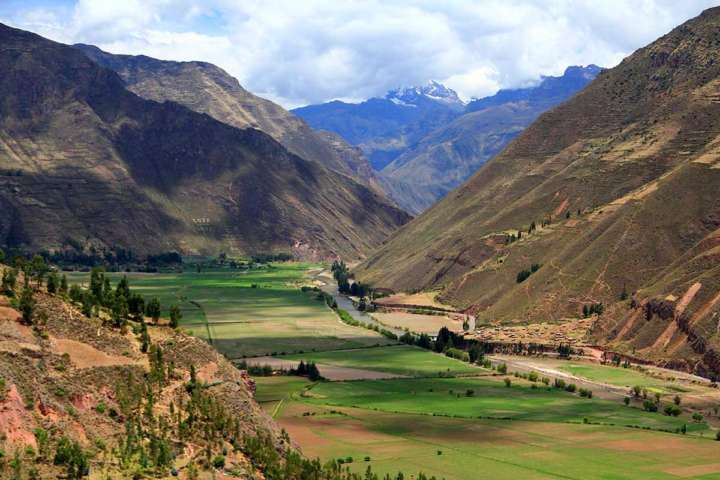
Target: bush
[218, 462]
[457, 354]
[69, 454]
[672, 410]
[508, 382]
[502, 368]
[571, 387]
[532, 376]
[584, 392]
[650, 406]
[559, 383]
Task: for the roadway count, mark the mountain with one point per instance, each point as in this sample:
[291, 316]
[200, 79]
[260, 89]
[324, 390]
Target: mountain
[86, 163]
[627, 173]
[384, 127]
[206, 88]
[450, 154]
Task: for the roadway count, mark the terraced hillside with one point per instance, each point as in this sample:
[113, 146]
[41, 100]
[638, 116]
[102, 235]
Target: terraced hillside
[614, 195]
[206, 88]
[84, 163]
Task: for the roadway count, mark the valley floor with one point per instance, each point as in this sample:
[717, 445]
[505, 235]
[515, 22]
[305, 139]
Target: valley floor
[401, 408]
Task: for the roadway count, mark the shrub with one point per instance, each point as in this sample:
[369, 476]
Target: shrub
[218, 462]
[502, 368]
[69, 454]
[559, 383]
[532, 376]
[626, 400]
[571, 387]
[650, 406]
[508, 382]
[672, 410]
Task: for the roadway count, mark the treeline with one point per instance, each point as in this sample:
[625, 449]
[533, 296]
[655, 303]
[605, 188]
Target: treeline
[470, 350]
[74, 257]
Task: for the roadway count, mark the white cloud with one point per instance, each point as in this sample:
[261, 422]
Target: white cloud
[309, 51]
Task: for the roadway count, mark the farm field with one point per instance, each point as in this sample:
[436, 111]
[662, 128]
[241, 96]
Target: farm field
[399, 359]
[418, 323]
[249, 313]
[461, 448]
[490, 398]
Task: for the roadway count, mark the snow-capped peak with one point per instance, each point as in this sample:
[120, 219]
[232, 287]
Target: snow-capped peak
[431, 91]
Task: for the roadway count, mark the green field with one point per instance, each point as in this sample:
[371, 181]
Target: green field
[250, 313]
[429, 422]
[462, 448]
[622, 377]
[490, 399]
[399, 359]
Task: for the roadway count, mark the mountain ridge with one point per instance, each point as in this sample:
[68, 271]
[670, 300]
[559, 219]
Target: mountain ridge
[87, 162]
[614, 193]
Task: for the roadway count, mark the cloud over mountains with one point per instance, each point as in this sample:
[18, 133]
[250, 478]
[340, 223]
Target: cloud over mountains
[316, 50]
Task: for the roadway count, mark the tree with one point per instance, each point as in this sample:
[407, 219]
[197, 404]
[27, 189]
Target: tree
[175, 316]
[677, 400]
[136, 305]
[38, 269]
[144, 337]
[313, 372]
[70, 454]
[626, 400]
[27, 305]
[52, 282]
[123, 288]
[9, 280]
[97, 277]
[153, 310]
[63, 285]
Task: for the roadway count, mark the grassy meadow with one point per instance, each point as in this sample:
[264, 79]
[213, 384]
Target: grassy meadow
[250, 313]
[399, 359]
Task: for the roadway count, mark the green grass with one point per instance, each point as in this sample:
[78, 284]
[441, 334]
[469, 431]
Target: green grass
[491, 399]
[496, 449]
[240, 320]
[273, 389]
[399, 359]
[623, 377]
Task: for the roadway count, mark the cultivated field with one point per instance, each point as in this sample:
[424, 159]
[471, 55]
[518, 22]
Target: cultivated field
[400, 359]
[464, 448]
[249, 313]
[418, 323]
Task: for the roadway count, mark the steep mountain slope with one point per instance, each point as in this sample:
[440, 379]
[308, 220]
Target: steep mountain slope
[384, 127]
[449, 155]
[86, 162]
[133, 413]
[206, 88]
[627, 172]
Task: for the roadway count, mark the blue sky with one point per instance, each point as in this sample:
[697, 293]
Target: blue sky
[308, 51]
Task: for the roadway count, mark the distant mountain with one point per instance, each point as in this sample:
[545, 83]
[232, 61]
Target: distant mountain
[450, 154]
[87, 164]
[206, 88]
[612, 196]
[384, 127]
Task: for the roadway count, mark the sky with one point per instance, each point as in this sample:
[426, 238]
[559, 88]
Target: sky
[299, 52]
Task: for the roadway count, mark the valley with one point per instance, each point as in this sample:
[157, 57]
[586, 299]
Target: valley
[400, 407]
[285, 266]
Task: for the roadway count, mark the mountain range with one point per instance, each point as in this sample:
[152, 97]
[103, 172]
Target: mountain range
[426, 141]
[609, 198]
[87, 163]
